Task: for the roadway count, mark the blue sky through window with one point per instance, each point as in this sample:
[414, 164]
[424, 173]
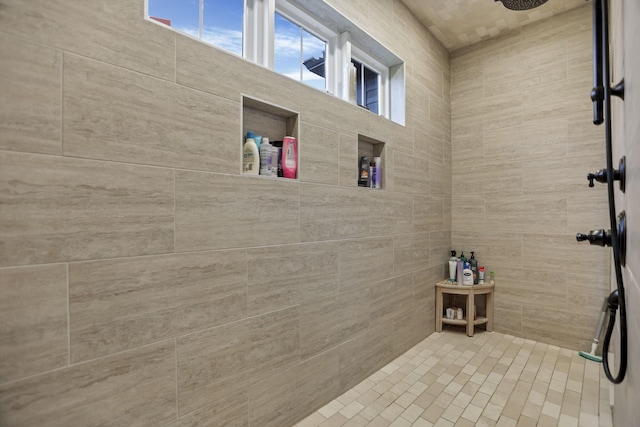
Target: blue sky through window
[222, 20]
[292, 47]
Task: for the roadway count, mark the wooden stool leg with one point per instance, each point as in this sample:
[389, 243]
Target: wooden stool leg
[439, 310]
[470, 302]
[489, 308]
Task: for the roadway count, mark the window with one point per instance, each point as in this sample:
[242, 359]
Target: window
[307, 41]
[367, 82]
[298, 53]
[218, 22]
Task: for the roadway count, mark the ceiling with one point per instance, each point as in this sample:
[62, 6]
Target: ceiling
[460, 23]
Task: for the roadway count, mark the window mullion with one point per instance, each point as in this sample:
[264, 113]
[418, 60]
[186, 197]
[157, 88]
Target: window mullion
[201, 18]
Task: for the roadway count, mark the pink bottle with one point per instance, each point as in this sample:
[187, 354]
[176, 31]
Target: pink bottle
[289, 157]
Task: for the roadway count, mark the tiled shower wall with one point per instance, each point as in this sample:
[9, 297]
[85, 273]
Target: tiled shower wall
[144, 281]
[523, 142]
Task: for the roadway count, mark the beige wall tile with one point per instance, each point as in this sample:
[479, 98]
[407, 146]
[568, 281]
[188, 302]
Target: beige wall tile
[212, 366]
[348, 161]
[228, 411]
[539, 288]
[507, 317]
[558, 327]
[396, 136]
[109, 300]
[391, 300]
[391, 213]
[365, 261]
[410, 329]
[562, 175]
[410, 252]
[588, 212]
[218, 211]
[319, 155]
[365, 354]
[488, 179]
[439, 180]
[33, 320]
[552, 251]
[282, 276]
[213, 70]
[424, 284]
[468, 213]
[439, 247]
[411, 174]
[328, 111]
[584, 137]
[117, 34]
[333, 213]
[59, 209]
[492, 249]
[388, 177]
[30, 111]
[428, 214]
[115, 114]
[286, 398]
[327, 322]
[428, 143]
[448, 214]
[440, 115]
[586, 291]
[528, 214]
[134, 388]
[467, 151]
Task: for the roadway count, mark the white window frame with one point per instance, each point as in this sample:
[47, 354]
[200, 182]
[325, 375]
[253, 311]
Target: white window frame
[383, 78]
[258, 30]
[311, 25]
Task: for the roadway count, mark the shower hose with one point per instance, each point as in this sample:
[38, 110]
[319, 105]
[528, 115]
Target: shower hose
[617, 298]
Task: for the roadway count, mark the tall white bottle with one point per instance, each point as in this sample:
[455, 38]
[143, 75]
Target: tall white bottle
[250, 157]
[266, 157]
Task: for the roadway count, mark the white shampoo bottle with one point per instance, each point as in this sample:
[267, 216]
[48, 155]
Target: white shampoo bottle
[250, 157]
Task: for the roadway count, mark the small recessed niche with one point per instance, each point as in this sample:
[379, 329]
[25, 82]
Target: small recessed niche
[270, 121]
[371, 148]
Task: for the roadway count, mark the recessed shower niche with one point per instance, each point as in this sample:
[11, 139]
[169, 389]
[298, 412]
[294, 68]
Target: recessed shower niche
[270, 121]
[372, 148]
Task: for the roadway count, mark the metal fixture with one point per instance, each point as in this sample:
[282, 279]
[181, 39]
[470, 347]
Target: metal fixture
[618, 175]
[622, 237]
[596, 237]
[522, 4]
[601, 97]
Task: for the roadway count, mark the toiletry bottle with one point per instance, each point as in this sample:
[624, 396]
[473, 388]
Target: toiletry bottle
[467, 277]
[363, 177]
[277, 160]
[474, 268]
[265, 157]
[378, 164]
[250, 157]
[462, 257]
[275, 156]
[481, 275]
[492, 278]
[453, 261]
[372, 175]
[459, 269]
[289, 157]
[258, 140]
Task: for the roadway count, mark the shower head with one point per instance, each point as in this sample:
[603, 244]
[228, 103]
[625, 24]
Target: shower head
[522, 4]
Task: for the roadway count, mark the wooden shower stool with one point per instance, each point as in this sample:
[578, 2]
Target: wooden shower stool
[446, 287]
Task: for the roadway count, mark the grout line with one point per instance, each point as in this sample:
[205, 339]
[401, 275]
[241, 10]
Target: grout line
[62, 54]
[175, 348]
[174, 210]
[68, 321]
